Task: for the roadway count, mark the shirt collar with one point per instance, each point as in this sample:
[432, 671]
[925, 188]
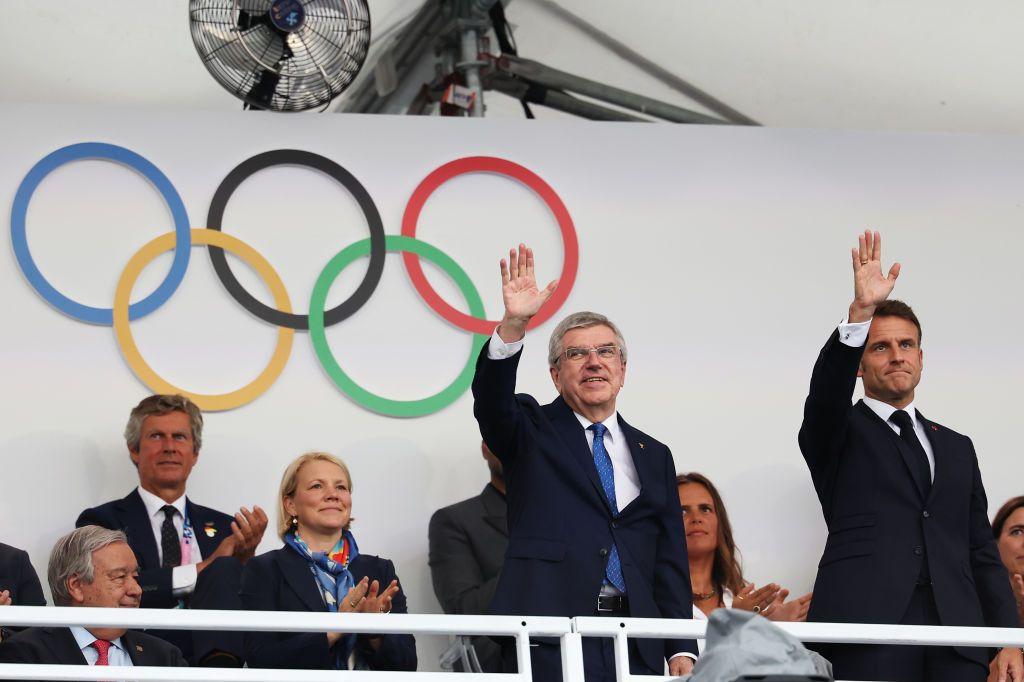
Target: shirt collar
[885, 410]
[154, 504]
[84, 638]
[614, 431]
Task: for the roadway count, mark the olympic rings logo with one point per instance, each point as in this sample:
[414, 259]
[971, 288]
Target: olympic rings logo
[375, 247]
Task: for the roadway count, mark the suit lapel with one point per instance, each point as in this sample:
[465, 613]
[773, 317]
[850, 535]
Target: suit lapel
[495, 510]
[64, 646]
[138, 527]
[571, 432]
[940, 452]
[136, 651]
[200, 522]
[300, 578]
[894, 441]
[635, 442]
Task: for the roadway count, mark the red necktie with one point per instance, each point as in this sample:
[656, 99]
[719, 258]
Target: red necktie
[102, 646]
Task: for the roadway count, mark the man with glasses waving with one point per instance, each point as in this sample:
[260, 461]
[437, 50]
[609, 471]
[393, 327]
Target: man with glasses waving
[594, 521]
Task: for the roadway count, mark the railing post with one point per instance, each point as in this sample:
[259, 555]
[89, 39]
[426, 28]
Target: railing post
[523, 654]
[572, 657]
[621, 643]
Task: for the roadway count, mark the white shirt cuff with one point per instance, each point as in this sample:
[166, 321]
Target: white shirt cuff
[499, 350]
[854, 334]
[690, 656]
[183, 580]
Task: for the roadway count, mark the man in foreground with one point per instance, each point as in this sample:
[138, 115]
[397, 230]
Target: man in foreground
[908, 534]
[91, 566]
[594, 521]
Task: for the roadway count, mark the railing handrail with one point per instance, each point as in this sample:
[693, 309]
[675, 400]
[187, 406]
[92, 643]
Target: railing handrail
[285, 621]
[852, 633]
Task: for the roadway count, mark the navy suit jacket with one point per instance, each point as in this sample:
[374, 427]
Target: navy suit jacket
[881, 525]
[19, 578]
[280, 580]
[58, 645]
[129, 515]
[561, 527]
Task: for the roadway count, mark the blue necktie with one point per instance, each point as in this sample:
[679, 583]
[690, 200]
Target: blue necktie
[613, 571]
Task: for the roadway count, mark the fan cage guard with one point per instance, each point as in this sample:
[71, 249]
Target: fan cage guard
[282, 71]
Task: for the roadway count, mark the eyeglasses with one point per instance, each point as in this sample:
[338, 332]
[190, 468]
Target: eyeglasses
[581, 354]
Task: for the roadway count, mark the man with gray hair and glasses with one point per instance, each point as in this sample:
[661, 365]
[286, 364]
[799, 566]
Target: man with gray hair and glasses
[190, 556]
[91, 566]
[594, 520]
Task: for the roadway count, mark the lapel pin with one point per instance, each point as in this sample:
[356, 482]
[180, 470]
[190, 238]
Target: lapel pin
[641, 445]
[138, 648]
[934, 427]
[210, 529]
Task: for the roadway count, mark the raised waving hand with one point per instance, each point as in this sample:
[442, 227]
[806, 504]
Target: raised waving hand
[870, 286]
[520, 293]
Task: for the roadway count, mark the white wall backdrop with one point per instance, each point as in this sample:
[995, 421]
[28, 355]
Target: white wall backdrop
[722, 253]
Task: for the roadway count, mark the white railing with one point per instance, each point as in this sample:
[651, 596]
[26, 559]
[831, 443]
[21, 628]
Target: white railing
[850, 633]
[569, 631]
[522, 628]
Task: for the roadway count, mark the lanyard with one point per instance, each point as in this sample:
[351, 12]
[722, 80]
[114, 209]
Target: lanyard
[187, 538]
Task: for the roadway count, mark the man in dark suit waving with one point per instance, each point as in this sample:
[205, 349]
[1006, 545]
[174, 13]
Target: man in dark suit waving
[595, 526]
[908, 534]
[189, 555]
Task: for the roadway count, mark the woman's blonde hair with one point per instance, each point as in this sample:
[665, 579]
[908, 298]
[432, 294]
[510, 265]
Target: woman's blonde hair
[290, 481]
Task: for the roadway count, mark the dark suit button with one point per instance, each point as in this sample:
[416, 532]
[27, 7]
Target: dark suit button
[615, 524]
[603, 552]
[926, 514]
[918, 551]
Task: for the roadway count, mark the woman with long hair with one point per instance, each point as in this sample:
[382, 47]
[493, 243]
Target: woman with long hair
[716, 575]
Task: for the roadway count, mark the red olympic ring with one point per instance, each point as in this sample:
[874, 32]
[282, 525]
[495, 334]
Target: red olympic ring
[489, 164]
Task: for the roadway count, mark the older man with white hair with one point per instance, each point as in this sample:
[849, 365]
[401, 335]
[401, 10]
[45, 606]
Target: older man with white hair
[91, 566]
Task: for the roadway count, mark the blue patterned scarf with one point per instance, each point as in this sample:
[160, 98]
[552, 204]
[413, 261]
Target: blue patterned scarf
[333, 579]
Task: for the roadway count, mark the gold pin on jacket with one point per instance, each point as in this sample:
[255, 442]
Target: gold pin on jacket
[210, 529]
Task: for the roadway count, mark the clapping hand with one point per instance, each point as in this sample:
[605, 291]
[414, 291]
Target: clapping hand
[247, 530]
[756, 600]
[782, 611]
[870, 286]
[519, 290]
[378, 601]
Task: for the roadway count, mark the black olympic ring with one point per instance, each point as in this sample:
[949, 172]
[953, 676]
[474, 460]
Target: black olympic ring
[297, 157]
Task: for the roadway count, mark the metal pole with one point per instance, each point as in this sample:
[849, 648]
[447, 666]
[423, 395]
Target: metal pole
[470, 67]
[554, 99]
[553, 78]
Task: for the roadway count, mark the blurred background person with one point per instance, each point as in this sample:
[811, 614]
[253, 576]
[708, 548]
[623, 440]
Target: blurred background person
[320, 568]
[1008, 529]
[19, 584]
[467, 543]
[715, 571]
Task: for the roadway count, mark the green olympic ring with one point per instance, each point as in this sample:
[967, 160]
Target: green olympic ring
[372, 401]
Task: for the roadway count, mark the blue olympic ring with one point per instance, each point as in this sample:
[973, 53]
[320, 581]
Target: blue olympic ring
[99, 150]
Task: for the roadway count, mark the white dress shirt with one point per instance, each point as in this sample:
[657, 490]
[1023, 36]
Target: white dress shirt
[183, 578]
[116, 654]
[855, 334]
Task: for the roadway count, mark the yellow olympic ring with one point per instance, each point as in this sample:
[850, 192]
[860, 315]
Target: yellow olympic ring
[145, 373]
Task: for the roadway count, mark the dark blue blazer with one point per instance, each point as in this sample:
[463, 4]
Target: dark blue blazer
[280, 580]
[129, 515]
[560, 524]
[881, 525]
[19, 578]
